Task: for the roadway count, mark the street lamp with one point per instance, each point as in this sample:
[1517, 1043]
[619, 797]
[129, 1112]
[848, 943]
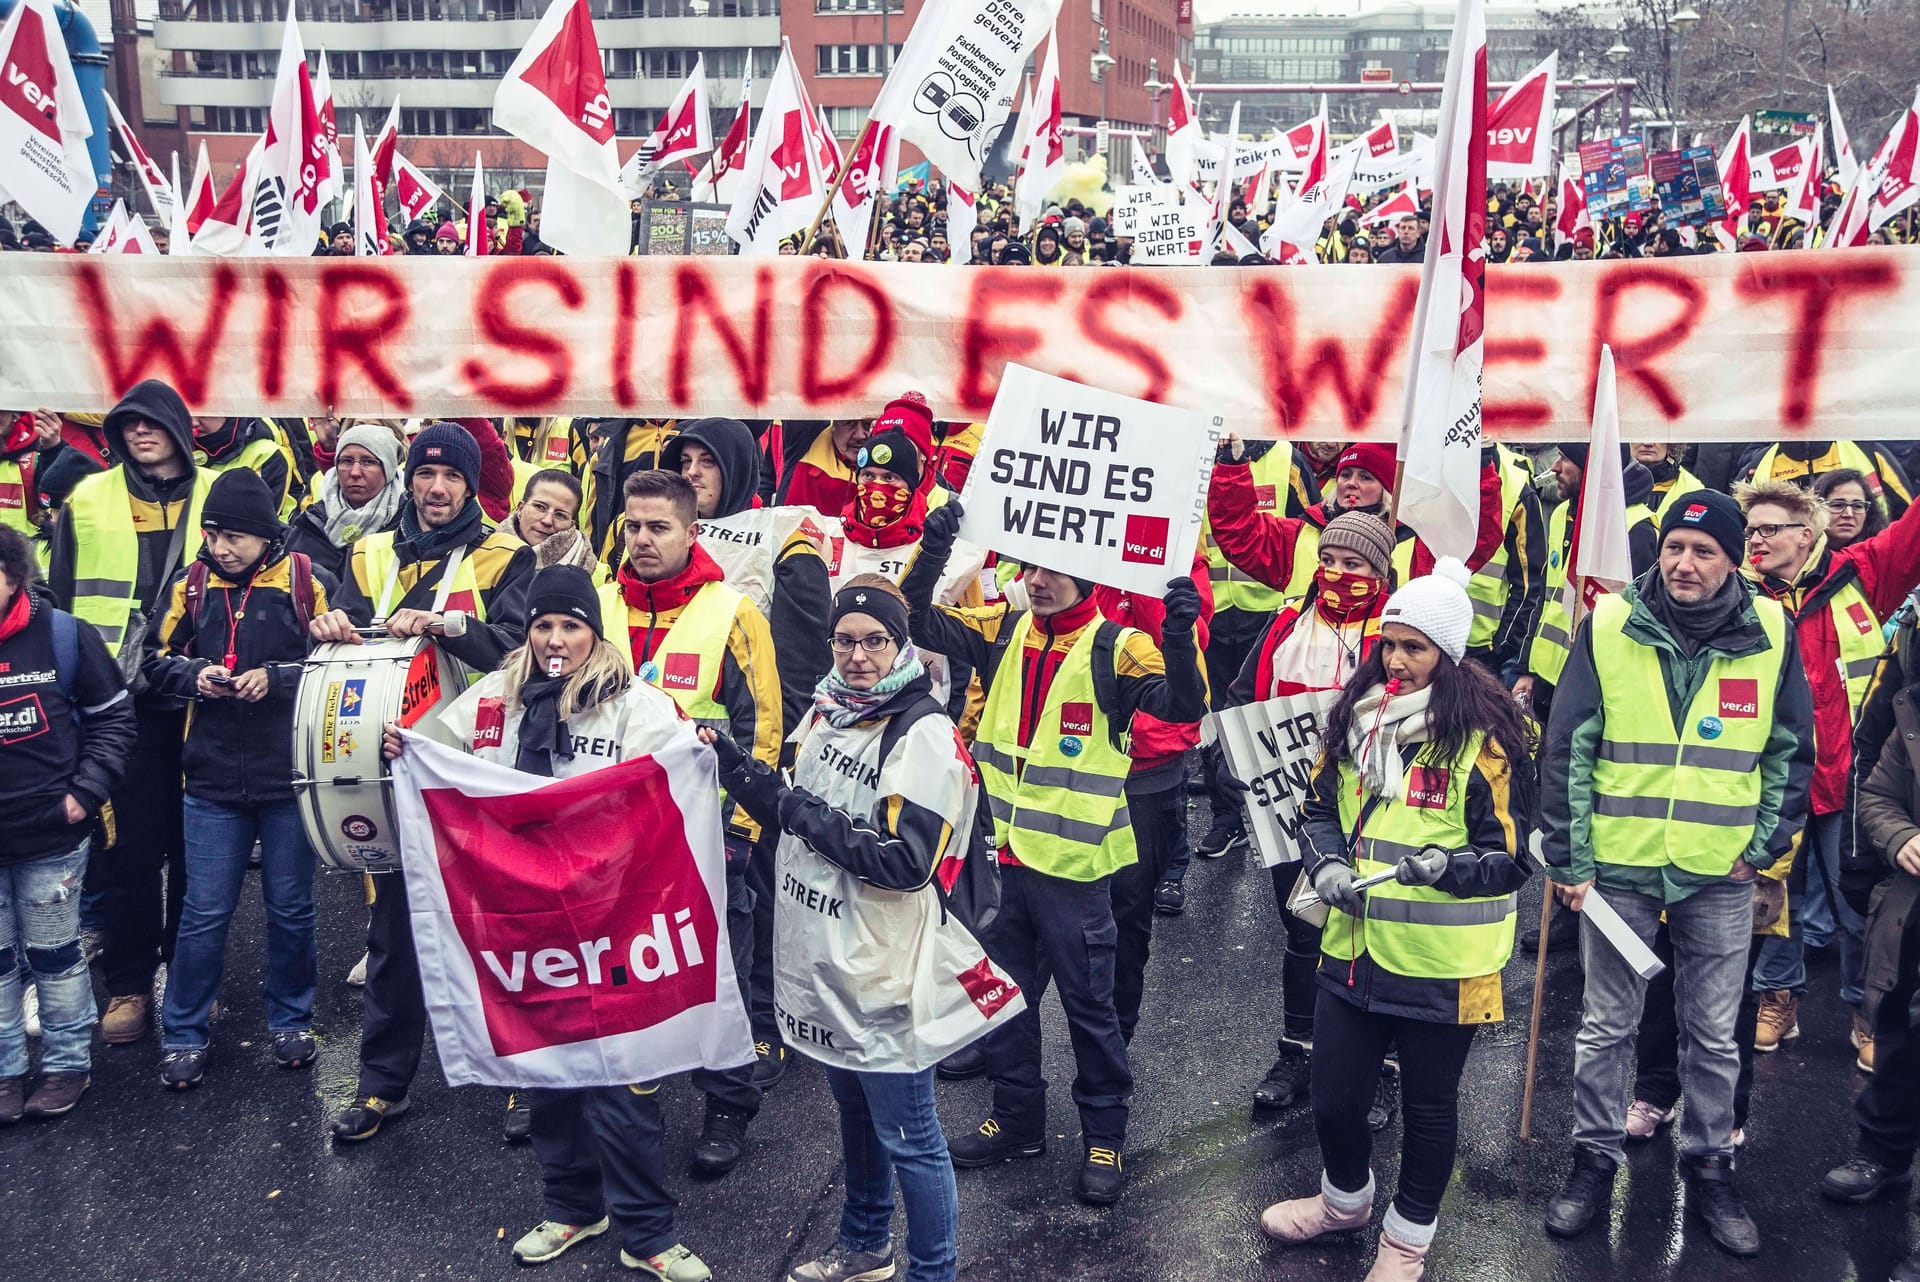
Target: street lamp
[1102, 60]
[1684, 21]
[1618, 53]
[1154, 86]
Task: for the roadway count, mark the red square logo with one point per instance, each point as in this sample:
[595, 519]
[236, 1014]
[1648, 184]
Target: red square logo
[1266, 498]
[1076, 718]
[13, 496]
[489, 724]
[680, 671]
[1427, 787]
[989, 991]
[22, 719]
[1145, 540]
[1861, 619]
[1739, 697]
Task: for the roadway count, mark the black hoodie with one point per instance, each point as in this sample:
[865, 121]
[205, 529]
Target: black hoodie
[225, 443]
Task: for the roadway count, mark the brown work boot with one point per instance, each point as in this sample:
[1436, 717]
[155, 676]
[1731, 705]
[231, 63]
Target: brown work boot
[1303, 1219]
[57, 1094]
[1862, 1038]
[1398, 1262]
[1779, 1020]
[126, 1019]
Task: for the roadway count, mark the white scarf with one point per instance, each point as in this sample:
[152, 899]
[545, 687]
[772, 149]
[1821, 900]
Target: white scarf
[345, 524]
[1381, 727]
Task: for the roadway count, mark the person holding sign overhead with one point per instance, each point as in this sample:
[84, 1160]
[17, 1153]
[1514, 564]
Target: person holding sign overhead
[1425, 780]
[1062, 687]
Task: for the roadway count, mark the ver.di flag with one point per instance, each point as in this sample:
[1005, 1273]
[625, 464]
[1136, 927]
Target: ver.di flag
[1602, 558]
[571, 932]
[1520, 125]
[43, 123]
[684, 132]
[785, 186]
[160, 193]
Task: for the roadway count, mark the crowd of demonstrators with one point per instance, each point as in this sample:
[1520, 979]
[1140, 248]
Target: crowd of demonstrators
[164, 577]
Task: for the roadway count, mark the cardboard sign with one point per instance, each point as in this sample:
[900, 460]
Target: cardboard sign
[1090, 483]
[1272, 746]
[1169, 236]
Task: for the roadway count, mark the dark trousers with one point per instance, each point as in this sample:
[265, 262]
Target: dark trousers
[139, 914]
[1656, 1074]
[600, 1151]
[760, 973]
[393, 1025]
[1298, 990]
[1053, 930]
[733, 1088]
[1160, 829]
[1349, 1047]
[1233, 635]
[1889, 1109]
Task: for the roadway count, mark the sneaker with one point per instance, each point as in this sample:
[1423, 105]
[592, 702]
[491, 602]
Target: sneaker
[518, 1128]
[182, 1070]
[1101, 1176]
[295, 1048]
[30, 1008]
[1222, 837]
[1169, 899]
[357, 977]
[770, 1065]
[550, 1239]
[1859, 1180]
[991, 1143]
[13, 1099]
[675, 1264]
[841, 1265]
[969, 1061]
[1588, 1191]
[362, 1119]
[1287, 1080]
[126, 1019]
[1711, 1195]
[1779, 1020]
[1643, 1119]
[718, 1149]
[1386, 1098]
[1862, 1039]
[57, 1094]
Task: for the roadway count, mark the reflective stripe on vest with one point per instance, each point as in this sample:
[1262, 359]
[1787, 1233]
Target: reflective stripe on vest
[1065, 814]
[687, 662]
[1553, 639]
[106, 548]
[1418, 931]
[1847, 453]
[1688, 796]
[1861, 642]
[1489, 587]
[1234, 588]
[254, 455]
[383, 563]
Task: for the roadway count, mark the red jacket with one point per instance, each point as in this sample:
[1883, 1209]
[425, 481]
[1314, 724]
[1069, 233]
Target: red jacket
[1885, 567]
[1157, 742]
[1262, 686]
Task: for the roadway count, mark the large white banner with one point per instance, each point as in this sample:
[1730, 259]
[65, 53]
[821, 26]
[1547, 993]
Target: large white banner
[1730, 347]
[1272, 747]
[571, 932]
[1090, 483]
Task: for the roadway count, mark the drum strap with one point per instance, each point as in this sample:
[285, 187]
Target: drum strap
[449, 570]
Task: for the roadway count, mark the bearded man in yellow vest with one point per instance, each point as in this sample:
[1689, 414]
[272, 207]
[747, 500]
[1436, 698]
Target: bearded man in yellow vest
[119, 539]
[1676, 772]
[1836, 599]
[708, 646]
[1062, 690]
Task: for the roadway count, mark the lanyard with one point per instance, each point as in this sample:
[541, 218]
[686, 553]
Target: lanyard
[233, 625]
[384, 606]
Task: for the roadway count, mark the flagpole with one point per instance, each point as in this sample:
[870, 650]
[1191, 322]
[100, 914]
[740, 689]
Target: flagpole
[839, 175]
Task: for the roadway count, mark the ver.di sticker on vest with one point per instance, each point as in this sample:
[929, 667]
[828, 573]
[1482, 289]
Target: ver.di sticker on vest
[1427, 787]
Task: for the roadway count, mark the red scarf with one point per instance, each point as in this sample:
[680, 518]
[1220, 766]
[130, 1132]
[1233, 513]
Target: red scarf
[877, 517]
[16, 616]
[1341, 597]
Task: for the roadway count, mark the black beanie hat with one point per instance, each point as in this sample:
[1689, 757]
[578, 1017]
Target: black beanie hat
[565, 589]
[240, 502]
[1713, 514]
[895, 452]
[1575, 452]
[882, 607]
[449, 445]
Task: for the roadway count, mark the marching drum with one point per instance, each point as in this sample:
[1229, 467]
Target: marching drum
[347, 695]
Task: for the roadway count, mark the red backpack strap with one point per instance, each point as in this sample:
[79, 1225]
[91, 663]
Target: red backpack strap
[302, 589]
[196, 591]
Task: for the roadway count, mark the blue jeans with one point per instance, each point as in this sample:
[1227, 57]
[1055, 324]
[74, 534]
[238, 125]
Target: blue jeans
[40, 933]
[888, 1126]
[219, 839]
[1817, 914]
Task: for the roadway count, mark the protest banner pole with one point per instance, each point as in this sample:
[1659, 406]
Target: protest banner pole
[839, 176]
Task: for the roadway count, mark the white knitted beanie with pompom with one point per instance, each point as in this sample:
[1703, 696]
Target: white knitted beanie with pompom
[1438, 605]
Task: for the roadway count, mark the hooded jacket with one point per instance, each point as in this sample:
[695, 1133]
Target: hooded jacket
[222, 447]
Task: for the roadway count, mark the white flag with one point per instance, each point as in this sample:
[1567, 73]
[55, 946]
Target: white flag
[863, 185]
[369, 220]
[179, 239]
[44, 163]
[479, 236]
[963, 215]
[109, 233]
[1043, 159]
[1900, 178]
[1843, 157]
[1402, 202]
[416, 192]
[334, 186]
[287, 198]
[951, 88]
[1183, 130]
[1143, 175]
[1440, 425]
[684, 132]
[1602, 559]
[227, 229]
[160, 193]
[719, 179]
[1849, 229]
[784, 188]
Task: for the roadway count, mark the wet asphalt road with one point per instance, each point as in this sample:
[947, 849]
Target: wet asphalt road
[239, 1180]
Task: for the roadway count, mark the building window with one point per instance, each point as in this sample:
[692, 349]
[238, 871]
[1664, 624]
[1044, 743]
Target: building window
[856, 6]
[850, 60]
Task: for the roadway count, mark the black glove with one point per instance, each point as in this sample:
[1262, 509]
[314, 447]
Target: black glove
[1183, 605]
[941, 528]
[733, 758]
[1333, 882]
[748, 780]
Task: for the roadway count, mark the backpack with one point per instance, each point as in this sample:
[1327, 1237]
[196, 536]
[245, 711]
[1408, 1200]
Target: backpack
[968, 884]
[66, 657]
[301, 578]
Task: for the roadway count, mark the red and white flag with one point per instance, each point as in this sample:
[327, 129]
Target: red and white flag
[335, 185]
[1843, 157]
[1572, 207]
[684, 132]
[44, 129]
[718, 181]
[109, 233]
[416, 192]
[1223, 185]
[554, 98]
[1849, 229]
[384, 149]
[963, 215]
[1184, 133]
[126, 233]
[867, 178]
[1736, 181]
[200, 196]
[288, 195]
[1602, 558]
[784, 186]
[1899, 159]
[571, 932]
[179, 239]
[1440, 424]
[1803, 198]
[479, 235]
[1321, 193]
[227, 230]
[1781, 169]
[369, 219]
[1393, 208]
[1520, 125]
[1043, 160]
[160, 193]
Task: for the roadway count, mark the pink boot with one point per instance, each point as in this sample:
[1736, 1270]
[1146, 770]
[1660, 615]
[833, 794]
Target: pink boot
[1398, 1262]
[1306, 1218]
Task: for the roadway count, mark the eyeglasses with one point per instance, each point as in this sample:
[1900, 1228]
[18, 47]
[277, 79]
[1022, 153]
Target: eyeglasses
[871, 644]
[1771, 532]
[1847, 505]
